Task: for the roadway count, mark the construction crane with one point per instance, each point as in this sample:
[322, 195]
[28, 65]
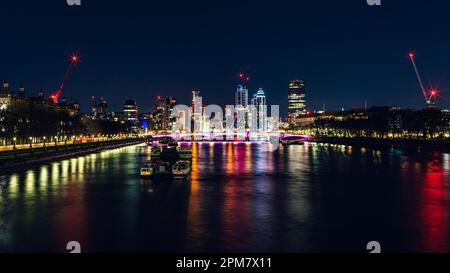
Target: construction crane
[54, 96]
[244, 77]
[429, 95]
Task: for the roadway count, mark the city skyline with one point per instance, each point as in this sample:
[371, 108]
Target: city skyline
[173, 58]
[95, 103]
[217, 135]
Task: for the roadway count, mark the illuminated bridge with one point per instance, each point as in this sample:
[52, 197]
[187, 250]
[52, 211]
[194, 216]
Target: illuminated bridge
[231, 136]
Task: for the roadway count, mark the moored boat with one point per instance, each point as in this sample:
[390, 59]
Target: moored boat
[165, 140]
[185, 152]
[162, 168]
[181, 169]
[155, 152]
[147, 170]
[169, 154]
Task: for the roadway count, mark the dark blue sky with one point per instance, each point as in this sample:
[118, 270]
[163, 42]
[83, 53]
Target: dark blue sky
[346, 51]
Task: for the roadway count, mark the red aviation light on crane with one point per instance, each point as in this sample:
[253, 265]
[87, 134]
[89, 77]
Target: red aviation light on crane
[434, 92]
[74, 58]
[411, 55]
[244, 77]
[54, 98]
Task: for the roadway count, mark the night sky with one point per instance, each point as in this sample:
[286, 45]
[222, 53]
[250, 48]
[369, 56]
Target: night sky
[346, 51]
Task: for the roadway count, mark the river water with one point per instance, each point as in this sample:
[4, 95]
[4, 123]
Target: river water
[240, 197]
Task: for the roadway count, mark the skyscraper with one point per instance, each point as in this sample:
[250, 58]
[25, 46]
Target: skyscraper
[195, 97]
[197, 110]
[130, 111]
[241, 97]
[241, 105]
[158, 115]
[296, 101]
[258, 115]
[161, 116]
[168, 120]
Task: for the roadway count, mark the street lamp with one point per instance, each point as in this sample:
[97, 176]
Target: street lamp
[44, 141]
[14, 143]
[31, 142]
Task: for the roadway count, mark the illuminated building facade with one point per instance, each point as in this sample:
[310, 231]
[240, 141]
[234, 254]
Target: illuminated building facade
[131, 113]
[296, 101]
[241, 96]
[197, 112]
[161, 117]
[100, 110]
[241, 105]
[22, 117]
[258, 112]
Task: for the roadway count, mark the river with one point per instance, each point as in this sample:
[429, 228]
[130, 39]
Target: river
[240, 197]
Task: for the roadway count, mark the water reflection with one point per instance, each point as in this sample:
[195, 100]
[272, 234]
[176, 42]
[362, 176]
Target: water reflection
[239, 197]
[434, 212]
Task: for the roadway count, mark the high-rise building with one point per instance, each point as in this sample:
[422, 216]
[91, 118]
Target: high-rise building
[296, 101]
[100, 110]
[158, 114]
[161, 118]
[130, 112]
[241, 96]
[195, 97]
[241, 105]
[197, 111]
[168, 119]
[258, 114]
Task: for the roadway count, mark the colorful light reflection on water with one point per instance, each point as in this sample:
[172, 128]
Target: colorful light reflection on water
[239, 197]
